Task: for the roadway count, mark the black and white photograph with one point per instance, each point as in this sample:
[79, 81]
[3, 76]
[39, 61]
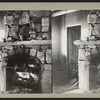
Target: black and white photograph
[50, 51]
[76, 51]
[25, 51]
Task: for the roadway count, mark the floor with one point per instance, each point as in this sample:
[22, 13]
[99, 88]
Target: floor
[75, 91]
[79, 91]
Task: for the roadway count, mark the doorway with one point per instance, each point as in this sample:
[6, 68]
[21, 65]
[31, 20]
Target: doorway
[73, 33]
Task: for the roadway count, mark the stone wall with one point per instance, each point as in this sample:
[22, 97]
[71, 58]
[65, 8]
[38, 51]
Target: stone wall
[89, 55]
[59, 44]
[27, 26]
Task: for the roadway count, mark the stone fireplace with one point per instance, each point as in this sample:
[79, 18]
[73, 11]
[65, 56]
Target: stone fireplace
[25, 53]
[89, 55]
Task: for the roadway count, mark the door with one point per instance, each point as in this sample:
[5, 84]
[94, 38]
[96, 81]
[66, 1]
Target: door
[73, 34]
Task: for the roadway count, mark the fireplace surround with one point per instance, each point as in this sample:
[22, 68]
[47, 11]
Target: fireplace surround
[89, 55]
[25, 52]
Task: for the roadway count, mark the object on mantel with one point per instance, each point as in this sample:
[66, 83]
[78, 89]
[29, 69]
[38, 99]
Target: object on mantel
[32, 42]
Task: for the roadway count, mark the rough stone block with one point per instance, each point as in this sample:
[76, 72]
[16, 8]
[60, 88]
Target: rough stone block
[32, 52]
[45, 21]
[11, 47]
[9, 39]
[4, 54]
[45, 47]
[24, 19]
[39, 38]
[47, 67]
[40, 55]
[92, 18]
[16, 21]
[97, 30]
[7, 47]
[8, 20]
[33, 34]
[91, 46]
[6, 31]
[88, 49]
[37, 47]
[98, 20]
[13, 31]
[40, 34]
[46, 82]
[38, 27]
[87, 53]
[45, 28]
[5, 50]
[17, 15]
[81, 54]
[45, 36]
[48, 56]
[45, 24]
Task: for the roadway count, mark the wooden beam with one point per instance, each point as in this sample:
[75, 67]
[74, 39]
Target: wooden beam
[59, 13]
[27, 43]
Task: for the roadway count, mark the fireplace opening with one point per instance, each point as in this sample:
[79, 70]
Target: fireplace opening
[23, 74]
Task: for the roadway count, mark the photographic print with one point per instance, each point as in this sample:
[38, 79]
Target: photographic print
[75, 51]
[50, 51]
[25, 51]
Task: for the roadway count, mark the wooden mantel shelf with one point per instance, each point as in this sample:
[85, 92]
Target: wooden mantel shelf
[80, 42]
[26, 43]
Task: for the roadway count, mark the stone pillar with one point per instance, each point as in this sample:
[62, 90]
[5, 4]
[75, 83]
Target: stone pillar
[88, 69]
[83, 72]
[47, 78]
[2, 73]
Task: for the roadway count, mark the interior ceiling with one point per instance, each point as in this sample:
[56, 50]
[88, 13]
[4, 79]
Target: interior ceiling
[56, 13]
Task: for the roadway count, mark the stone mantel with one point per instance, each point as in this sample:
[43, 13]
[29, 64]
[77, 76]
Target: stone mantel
[88, 64]
[26, 43]
[80, 42]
